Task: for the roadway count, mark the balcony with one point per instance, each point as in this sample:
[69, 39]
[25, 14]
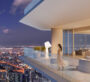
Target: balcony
[48, 67]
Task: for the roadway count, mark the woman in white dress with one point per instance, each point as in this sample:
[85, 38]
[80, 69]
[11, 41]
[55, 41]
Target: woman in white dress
[59, 58]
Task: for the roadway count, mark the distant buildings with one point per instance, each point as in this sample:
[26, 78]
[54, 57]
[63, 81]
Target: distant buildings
[3, 77]
[12, 69]
[12, 50]
[15, 77]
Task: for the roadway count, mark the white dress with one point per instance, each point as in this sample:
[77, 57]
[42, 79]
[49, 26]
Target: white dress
[59, 59]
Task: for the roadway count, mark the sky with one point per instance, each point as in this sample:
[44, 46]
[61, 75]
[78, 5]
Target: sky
[12, 32]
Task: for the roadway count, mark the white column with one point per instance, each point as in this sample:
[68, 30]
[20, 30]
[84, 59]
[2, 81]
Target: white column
[57, 38]
[47, 54]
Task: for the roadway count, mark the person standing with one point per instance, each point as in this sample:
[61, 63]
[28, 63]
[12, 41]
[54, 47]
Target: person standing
[59, 58]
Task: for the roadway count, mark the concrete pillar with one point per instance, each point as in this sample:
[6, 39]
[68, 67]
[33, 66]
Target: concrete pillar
[57, 38]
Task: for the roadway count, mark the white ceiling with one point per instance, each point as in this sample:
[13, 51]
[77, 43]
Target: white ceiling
[59, 13]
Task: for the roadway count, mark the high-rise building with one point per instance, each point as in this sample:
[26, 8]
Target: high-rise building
[15, 77]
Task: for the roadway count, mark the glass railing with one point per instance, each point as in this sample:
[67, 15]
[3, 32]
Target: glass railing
[70, 64]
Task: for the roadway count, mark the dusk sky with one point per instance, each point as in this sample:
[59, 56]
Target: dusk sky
[14, 33]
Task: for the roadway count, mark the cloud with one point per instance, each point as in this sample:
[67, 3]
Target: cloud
[5, 31]
[19, 4]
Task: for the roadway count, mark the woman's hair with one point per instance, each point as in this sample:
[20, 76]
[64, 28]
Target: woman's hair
[60, 46]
